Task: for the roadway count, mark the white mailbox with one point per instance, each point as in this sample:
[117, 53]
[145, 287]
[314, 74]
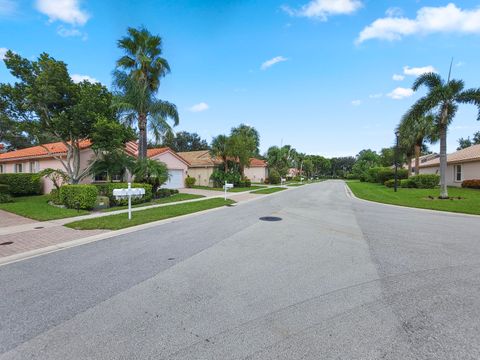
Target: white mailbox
[128, 193]
[226, 187]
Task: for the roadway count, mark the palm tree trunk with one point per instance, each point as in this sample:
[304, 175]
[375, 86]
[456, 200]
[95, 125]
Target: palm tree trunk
[225, 165]
[409, 162]
[417, 159]
[142, 138]
[443, 161]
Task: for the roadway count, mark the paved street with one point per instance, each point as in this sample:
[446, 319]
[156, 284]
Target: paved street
[336, 278]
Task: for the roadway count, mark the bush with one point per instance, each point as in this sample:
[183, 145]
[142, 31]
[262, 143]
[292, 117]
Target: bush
[106, 189]
[55, 197]
[22, 184]
[219, 177]
[266, 181]
[79, 196]
[382, 174]
[248, 182]
[5, 198]
[274, 177]
[4, 189]
[471, 184]
[241, 184]
[162, 193]
[102, 202]
[389, 183]
[352, 177]
[407, 183]
[190, 182]
[425, 181]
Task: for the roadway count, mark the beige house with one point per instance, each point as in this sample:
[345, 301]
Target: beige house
[37, 158]
[202, 165]
[461, 165]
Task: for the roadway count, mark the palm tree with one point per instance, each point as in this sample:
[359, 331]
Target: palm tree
[137, 78]
[416, 131]
[443, 98]
[221, 147]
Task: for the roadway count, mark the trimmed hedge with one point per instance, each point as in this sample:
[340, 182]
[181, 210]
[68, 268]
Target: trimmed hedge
[106, 189]
[22, 184]
[407, 183]
[4, 189]
[471, 184]
[382, 174]
[425, 181]
[79, 196]
[55, 197]
[5, 198]
[190, 181]
[163, 193]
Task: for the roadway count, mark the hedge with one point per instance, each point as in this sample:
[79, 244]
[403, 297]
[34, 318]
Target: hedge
[189, 181]
[79, 196]
[4, 189]
[106, 189]
[22, 184]
[274, 177]
[425, 181]
[471, 184]
[382, 174]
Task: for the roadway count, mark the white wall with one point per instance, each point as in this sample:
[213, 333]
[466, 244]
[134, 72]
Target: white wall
[470, 171]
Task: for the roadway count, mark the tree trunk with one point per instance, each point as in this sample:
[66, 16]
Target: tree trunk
[225, 165]
[417, 159]
[142, 136]
[443, 161]
[409, 162]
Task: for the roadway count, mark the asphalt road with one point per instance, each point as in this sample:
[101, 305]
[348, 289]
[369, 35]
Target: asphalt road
[336, 278]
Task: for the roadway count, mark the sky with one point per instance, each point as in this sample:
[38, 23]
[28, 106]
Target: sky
[329, 77]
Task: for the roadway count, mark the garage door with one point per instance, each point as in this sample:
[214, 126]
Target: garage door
[175, 181]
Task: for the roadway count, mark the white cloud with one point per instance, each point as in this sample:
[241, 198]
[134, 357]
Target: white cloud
[357, 102]
[199, 107]
[7, 7]
[398, 77]
[3, 51]
[67, 11]
[400, 93]
[64, 32]
[375, 96]
[460, 64]
[322, 9]
[443, 19]
[272, 62]
[77, 78]
[417, 71]
[394, 11]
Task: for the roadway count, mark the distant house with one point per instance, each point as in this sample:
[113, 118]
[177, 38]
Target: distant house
[202, 165]
[461, 165]
[37, 158]
[423, 159]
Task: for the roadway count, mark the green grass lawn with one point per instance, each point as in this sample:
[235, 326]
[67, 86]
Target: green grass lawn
[37, 208]
[235, 189]
[269, 190]
[418, 198]
[207, 188]
[120, 221]
[166, 200]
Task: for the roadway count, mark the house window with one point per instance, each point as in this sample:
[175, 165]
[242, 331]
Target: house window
[458, 173]
[18, 168]
[33, 166]
[101, 176]
[117, 178]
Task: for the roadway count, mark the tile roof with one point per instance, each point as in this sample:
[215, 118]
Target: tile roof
[471, 153]
[45, 150]
[257, 163]
[424, 158]
[156, 151]
[200, 158]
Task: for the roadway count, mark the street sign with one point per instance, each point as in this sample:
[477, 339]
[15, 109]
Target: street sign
[226, 187]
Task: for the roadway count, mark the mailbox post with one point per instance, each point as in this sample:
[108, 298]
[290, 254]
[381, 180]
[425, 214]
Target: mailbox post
[128, 193]
[226, 187]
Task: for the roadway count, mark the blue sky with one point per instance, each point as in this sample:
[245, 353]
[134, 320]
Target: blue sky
[314, 74]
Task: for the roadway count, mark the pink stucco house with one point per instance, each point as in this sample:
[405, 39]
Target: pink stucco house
[37, 158]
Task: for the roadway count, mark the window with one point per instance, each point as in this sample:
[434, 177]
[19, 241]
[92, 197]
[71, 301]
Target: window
[101, 176]
[117, 178]
[18, 168]
[458, 173]
[33, 166]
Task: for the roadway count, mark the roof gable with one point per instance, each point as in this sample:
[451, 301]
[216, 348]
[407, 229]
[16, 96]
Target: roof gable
[46, 150]
[471, 153]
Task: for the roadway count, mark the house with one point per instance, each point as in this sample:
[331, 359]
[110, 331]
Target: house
[461, 165]
[202, 165]
[37, 158]
[422, 159]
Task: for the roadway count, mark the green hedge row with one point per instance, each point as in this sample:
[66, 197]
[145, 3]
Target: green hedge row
[423, 181]
[106, 189]
[22, 184]
[79, 196]
[382, 174]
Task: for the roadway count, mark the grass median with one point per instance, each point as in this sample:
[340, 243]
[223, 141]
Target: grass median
[120, 221]
[461, 200]
[269, 190]
[235, 189]
[173, 198]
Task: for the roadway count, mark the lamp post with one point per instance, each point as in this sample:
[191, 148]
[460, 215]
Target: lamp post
[395, 186]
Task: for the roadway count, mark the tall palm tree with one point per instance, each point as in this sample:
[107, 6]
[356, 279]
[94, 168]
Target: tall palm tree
[221, 147]
[443, 98]
[416, 131]
[137, 79]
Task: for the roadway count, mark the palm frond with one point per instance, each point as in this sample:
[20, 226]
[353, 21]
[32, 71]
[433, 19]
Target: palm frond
[430, 80]
[470, 96]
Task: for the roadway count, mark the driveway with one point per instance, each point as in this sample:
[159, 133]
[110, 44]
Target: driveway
[334, 278]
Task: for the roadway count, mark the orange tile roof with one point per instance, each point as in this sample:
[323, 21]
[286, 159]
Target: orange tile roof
[257, 163]
[156, 151]
[471, 153]
[200, 158]
[46, 150]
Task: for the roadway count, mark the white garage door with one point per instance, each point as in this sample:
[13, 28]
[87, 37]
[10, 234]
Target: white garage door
[175, 181]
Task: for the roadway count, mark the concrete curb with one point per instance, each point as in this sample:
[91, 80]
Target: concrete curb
[70, 244]
[351, 195]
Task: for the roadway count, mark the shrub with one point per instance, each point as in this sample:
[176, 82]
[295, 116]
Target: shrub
[102, 202]
[241, 183]
[55, 197]
[352, 177]
[22, 184]
[248, 182]
[389, 183]
[4, 189]
[266, 181]
[5, 198]
[274, 177]
[106, 189]
[382, 174]
[190, 182]
[471, 184]
[219, 177]
[407, 183]
[79, 196]
[162, 193]
[425, 181]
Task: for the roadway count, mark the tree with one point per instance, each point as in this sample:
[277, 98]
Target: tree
[222, 147]
[280, 158]
[247, 131]
[464, 143]
[387, 156]
[365, 160]
[151, 172]
[137, 80]
[321, 166]
[47, 100]
[442, 99]
[185, 141]
[340, 166]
